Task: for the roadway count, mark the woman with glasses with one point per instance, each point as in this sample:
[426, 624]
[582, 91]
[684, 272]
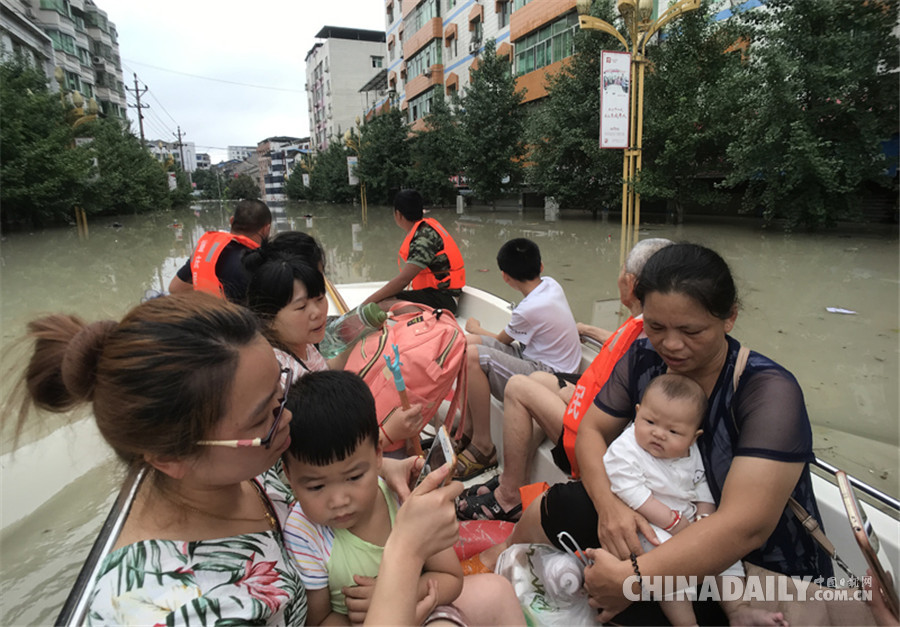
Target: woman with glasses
[286, 291]
[188, 386]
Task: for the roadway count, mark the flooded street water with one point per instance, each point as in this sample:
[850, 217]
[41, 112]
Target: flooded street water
[847, 364]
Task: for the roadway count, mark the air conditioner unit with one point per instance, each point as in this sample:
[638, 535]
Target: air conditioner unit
[474, 46]
[427, 73]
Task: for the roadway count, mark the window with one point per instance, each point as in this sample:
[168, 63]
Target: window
[547, 45]
[422, 13]
[476, 30]
[503, 14]
[377, 62]
[390, 14]
[424, 59]
[518, 4]
[453, 51]
[420, 106]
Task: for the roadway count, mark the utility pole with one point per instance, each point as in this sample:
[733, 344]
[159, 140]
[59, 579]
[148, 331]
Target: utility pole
[137, 96]
[181, 152]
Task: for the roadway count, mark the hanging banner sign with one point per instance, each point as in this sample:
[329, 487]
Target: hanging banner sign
[351, 170]
[615, 92]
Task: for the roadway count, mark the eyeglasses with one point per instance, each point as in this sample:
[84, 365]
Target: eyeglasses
[278, 413]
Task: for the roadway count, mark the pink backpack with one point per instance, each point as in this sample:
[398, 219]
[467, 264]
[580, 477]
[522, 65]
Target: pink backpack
[433, 363]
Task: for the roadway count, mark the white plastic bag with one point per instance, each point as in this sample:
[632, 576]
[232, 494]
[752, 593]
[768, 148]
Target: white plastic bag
[549, 584]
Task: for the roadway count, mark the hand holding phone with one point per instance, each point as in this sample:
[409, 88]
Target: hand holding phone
[440, 453]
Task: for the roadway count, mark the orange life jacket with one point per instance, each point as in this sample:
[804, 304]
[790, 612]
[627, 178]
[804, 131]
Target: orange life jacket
[203, 261]
[592, 380]
[426, 277]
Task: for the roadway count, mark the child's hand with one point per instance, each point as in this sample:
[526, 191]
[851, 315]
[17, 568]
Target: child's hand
[400, 474]
[427, 603]
[358, 598]
[473, 325]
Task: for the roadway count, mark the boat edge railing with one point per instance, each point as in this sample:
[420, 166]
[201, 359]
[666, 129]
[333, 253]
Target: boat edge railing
[75, 608]
[858, 484]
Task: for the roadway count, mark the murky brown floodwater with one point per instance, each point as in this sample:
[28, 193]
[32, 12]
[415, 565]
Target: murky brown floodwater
[847, 364]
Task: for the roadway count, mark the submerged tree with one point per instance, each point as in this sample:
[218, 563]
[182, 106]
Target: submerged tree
[128, 177]
[822, 94]
[383, 155]
[492, 125]
[42, 173]
[565, 159]
[435, 153]
[691, 109]
[328, 175]
[242, 187]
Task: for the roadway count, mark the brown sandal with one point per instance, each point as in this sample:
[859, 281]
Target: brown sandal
[472, 462]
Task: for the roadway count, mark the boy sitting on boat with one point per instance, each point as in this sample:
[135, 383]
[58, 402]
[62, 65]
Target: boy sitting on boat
[344, 513]
[429, 260]
[337, 529]
[656, 469]
[541, 336]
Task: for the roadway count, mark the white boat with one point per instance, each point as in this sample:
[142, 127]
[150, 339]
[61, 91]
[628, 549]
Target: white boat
[493, 312]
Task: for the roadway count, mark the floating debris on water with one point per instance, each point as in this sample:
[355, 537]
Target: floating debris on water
[839, 310]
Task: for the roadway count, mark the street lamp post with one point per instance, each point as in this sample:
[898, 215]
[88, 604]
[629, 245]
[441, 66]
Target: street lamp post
[351, 141]
[637, 17]
[77, 115]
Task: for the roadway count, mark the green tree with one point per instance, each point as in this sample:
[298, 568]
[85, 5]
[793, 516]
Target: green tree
[242, 187]
[435, 153]
[822, 93]
[42, 175]
[209, 183]
[128, 177]
[690, 109]
[565, 159]
[383, 155]
[492, 123]
[328, 176]
[294, 188]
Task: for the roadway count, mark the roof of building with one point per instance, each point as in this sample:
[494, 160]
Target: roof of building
[341, 32]
[376, 83]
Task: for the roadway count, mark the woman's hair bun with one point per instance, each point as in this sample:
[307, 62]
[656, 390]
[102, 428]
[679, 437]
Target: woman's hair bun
[82, 355]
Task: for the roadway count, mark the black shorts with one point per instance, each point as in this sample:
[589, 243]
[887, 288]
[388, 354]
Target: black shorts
[435, 298]
[567, 507]
[559, 451]
[560, 458]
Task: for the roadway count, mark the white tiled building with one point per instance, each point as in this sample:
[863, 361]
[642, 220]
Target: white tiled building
[240, 153]
[83, 44]
[336, 68]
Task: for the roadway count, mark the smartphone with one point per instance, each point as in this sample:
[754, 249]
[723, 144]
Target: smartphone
[440, 453]
[867, 541]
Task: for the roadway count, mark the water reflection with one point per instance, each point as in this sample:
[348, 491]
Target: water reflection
[847, 364]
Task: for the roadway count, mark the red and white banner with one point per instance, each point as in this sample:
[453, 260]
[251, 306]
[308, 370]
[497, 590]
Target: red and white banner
[615, 92]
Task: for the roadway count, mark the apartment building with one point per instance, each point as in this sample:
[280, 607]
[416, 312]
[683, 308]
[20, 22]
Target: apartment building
[336, 68]
[435, 44]
[19, 35]
[83, 44]
[239, 153]
[275, 158]
[163, 151]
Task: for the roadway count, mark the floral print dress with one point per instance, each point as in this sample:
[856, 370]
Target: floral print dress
[242, 580]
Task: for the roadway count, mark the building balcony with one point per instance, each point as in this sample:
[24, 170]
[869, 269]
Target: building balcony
[432, 76]
[433, 29]
[535, 14]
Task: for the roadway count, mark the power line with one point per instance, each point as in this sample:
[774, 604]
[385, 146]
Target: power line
[219, 80]
[152, 95]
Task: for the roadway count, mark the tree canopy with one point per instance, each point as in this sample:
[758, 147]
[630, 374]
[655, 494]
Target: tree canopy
[492, 127]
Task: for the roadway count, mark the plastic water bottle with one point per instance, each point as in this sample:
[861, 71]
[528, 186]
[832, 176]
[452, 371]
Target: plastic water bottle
[352, 326]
